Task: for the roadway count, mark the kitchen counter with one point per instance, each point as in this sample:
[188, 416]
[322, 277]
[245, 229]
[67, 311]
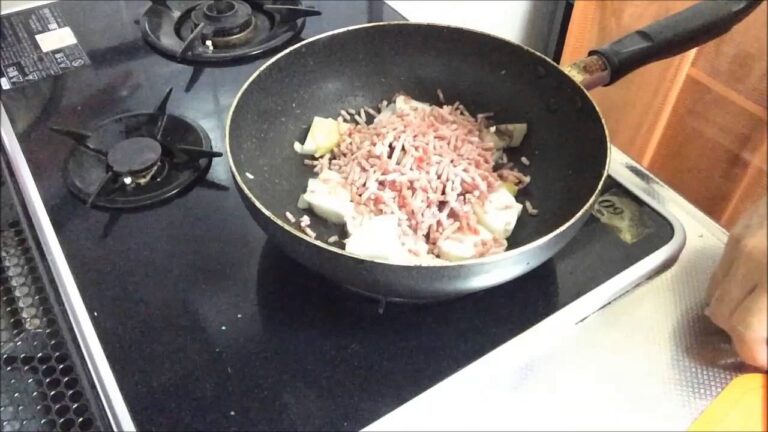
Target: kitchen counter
[650, 352]
[650, 360]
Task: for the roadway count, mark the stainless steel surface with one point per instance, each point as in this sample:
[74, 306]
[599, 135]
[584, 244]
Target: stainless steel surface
[92, 350]
[648, 361]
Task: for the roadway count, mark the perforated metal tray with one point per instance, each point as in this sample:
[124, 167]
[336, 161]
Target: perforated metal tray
[43, 385]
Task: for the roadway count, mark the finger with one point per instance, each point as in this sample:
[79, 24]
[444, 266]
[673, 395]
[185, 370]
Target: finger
[750, 318]
[752, 351]
[748, 327]
[749, 229]
[743, 277]
[724, 267]
[754, 218]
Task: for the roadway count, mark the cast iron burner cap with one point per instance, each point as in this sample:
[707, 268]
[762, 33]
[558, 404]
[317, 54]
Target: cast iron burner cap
[134, 155]
[220, 30]
[136, 159]
[225, 18]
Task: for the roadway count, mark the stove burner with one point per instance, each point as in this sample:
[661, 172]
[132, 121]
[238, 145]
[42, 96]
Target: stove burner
[136, 159]
[225, 17]
[225, 23]
[219, 30]
[134, 155]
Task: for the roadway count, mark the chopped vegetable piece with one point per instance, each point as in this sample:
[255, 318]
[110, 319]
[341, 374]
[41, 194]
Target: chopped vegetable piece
[510, 187]
[505, 135]
[461, 246]
[512, 133]
[323, 136]
[378, 238]
[329, 197]
[499, 213]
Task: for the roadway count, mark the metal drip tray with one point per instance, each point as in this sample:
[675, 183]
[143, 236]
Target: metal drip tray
[43, 384]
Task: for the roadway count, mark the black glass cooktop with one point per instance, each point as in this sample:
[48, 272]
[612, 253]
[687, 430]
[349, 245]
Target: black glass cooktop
[205, 323]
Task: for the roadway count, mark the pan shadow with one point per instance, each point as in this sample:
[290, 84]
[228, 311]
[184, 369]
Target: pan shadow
[336, 343]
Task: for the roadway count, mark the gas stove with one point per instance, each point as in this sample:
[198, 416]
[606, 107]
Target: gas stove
[188, 317]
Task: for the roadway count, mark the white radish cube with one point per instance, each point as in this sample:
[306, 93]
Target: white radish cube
[499, 214]
[461, 246]
[378, 238]
[328, 197]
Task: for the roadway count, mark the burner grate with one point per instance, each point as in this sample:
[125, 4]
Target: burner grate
[136, 159]
[41, 386]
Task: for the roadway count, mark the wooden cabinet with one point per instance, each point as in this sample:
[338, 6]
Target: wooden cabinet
[698, 121]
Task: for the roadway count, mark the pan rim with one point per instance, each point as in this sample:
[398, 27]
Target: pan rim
[483, 260]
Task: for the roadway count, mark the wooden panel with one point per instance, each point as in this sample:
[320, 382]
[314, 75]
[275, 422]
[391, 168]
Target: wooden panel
[636, 107]
[754, 185]
[708, 147]
[597, 22]
[698, 121]
[738, 58]
[729, 93]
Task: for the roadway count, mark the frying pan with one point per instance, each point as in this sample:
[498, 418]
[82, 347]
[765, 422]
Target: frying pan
[567, 142]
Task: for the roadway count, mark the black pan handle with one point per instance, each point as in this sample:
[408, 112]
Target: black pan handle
[685, 30]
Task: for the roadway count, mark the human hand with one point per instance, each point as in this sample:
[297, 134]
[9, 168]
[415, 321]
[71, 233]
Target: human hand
[738, 290]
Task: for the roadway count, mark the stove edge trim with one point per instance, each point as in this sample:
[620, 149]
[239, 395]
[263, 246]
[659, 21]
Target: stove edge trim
[95, 358]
